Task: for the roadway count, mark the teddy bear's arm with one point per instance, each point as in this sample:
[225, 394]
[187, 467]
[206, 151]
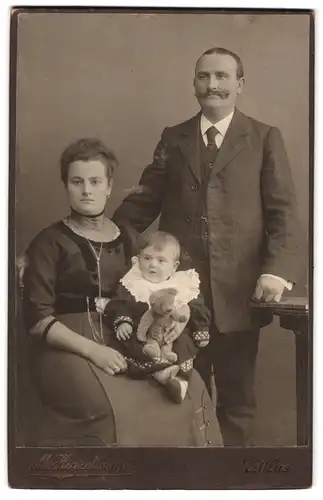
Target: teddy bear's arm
[144, 325]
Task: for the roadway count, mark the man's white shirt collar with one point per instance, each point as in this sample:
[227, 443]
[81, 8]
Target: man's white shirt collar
[222, 126]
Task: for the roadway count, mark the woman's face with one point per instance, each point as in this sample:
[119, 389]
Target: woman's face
[88, 186]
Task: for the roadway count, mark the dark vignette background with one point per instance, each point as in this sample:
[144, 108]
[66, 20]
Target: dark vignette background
[124, 77]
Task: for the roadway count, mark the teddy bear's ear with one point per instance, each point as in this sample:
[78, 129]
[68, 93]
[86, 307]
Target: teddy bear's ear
[153, 296]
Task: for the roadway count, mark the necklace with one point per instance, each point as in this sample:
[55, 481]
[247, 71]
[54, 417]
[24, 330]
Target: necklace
[98, 336]
[88, 216]
[97, 256]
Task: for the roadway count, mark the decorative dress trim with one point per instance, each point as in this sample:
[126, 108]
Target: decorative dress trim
[48, 327]
[121, 319]
[201, 337]
[187, 366]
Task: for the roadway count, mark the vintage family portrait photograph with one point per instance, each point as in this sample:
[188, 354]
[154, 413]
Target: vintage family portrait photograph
[160, 248]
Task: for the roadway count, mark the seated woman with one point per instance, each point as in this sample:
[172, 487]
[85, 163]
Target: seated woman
[73, 268]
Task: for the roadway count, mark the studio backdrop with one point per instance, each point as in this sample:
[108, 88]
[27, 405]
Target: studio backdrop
[123, 77]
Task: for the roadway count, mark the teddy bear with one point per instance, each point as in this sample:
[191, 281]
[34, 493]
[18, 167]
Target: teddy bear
[164, 312]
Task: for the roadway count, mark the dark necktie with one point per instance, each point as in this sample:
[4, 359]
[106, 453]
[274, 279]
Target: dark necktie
[211, 134]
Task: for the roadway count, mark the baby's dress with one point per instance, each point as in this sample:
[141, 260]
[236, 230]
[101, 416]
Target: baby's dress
[132, 301]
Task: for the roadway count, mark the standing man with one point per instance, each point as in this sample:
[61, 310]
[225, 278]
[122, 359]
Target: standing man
[222, 185]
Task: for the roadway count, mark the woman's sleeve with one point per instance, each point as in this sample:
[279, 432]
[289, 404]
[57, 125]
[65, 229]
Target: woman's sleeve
[40, 277]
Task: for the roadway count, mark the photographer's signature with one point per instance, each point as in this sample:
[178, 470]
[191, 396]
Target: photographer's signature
[68, 465]
[254, 466]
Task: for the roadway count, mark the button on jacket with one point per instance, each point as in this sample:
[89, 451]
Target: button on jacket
[252, 223]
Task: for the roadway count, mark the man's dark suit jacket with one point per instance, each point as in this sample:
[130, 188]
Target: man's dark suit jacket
[251, 207]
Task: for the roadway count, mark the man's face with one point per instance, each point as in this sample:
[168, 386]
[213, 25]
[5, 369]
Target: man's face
[216, 83]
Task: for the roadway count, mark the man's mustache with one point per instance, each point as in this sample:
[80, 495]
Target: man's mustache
[220, 93]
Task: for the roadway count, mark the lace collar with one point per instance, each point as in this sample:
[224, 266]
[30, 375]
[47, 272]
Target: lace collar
[187, 284]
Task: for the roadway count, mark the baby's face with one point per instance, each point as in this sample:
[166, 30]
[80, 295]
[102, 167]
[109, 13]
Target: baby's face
[158, 264]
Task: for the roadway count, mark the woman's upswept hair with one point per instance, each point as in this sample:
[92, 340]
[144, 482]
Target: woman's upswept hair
[85, 150]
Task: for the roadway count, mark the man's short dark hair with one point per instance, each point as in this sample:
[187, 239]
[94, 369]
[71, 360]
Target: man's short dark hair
[226, 52]
[86, 150]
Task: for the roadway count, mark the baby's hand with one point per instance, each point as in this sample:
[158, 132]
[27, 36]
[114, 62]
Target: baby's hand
[124, 331]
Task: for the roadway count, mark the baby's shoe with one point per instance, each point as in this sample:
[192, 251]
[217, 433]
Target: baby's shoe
[176, 388]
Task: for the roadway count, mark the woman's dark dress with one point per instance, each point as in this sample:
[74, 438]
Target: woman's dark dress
[82, 405]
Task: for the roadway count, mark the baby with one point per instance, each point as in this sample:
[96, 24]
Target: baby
[156, 268]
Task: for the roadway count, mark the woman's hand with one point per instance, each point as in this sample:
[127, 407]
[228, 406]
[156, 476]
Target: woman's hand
[107, 359]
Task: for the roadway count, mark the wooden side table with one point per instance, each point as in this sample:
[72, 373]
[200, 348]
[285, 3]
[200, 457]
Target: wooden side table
[293, 315]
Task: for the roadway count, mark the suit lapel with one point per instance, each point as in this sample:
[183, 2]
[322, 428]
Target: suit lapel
[189, 145]
[233, 143]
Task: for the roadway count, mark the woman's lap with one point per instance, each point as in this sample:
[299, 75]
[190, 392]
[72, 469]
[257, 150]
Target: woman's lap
[67, 384]
[125, 411]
